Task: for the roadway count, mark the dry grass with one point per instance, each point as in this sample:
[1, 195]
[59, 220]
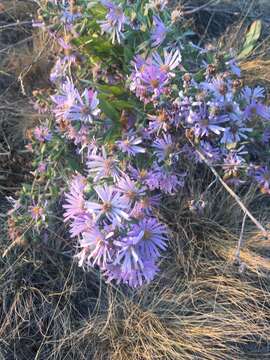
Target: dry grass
[24, 67]
[203, 305]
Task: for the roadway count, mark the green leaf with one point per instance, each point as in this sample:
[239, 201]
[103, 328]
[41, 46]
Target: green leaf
[252, 37]
[246, 52]
[73, 164]
[254, 32]
[122, 104]
[116, 90]
[108, 109]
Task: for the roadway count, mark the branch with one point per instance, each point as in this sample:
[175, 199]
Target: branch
[233, 194]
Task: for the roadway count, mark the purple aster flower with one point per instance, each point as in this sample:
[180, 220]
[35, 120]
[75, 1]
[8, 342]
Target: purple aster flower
[145, 206]
[137, 277]
[96, 248]
[171, 61]
[68, 17]
[115, 21]
[159, 31]
[249, 94]
[58, 71]
[189, 152]
[85, 108]
[130, 189]
[235, 69]
[130, 145]
[102, 166]
[232, 164]
[169, 182]
[164, 147]
[80, 224]
[37, 212]
[140, 175]
[234, 133]
[69, 55]
[79, 137]
[42, 133]
[75, 202]
[154, 79]
[113, 205]
[42, 167]
[134, 278]
[255, 108]
[149, 236]
[262, 176]
[137, 252]
[128, 256]
[218, 87]
[166, 181]
[158, 122]
[205, 123]
[65, 99]
[213, 154]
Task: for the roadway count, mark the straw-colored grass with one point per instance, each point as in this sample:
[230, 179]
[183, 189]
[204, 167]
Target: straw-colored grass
[206, 303]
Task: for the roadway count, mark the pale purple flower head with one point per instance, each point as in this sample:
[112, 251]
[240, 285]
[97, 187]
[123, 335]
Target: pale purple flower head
[232, 165]
[96, 249]
[68, 17]
[219, 88]
[257, 109]
[165, 180]
[115, 21]
[42, 167]
[213, 154]
[171, 61]
[37, 212]
[145, 206]
[134, 278]
[102, 166]
[64, 99]
[85, 108]
[75, 201]
[254, 106]
[150, 237]
[81, 223]
[159, 31]
[235, 133]
[58, 71]
[79, 137]
[154, 79]
[164, 147]
[137, 253]
[42, 133]
[262, 176]
[205, 123]
[159, 121]
[130, 189]
[131, 145]
[112, 205]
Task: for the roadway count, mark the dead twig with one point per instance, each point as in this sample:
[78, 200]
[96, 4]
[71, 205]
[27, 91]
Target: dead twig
[233, 194]
[240, 241]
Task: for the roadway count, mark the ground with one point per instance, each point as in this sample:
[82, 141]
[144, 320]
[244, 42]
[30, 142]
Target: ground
[205, 304]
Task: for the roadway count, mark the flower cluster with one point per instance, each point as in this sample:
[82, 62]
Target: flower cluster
[129, 116]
